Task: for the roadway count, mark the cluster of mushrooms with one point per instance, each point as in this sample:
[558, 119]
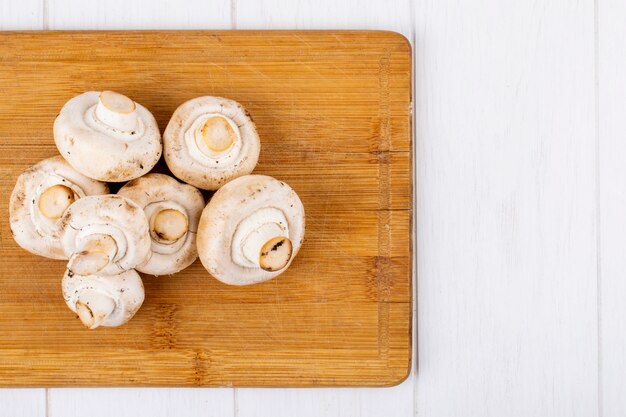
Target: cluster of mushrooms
[62, 208]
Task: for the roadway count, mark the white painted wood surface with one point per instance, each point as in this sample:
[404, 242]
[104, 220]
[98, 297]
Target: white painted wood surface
[23, 402]
[506, 228]
[326, 14]
[521, 201]
[612, 191]
[135, 402]
[133, 14]
[27, 15]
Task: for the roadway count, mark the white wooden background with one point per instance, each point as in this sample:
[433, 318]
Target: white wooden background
[520, 120]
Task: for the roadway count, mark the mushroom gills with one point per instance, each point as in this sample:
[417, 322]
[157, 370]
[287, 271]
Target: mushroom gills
[93, 307]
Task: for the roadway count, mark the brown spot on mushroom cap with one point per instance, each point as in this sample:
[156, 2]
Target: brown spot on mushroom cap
[17, 201]
[112, 133]
[226, 210]
[34, 233]
[90, 299]
[115, 219]
[154, 192]
[210, 173]
[65, 220]
[248, 115]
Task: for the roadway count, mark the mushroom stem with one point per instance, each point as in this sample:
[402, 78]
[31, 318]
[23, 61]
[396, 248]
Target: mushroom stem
[275, 254]
[267, 247]
[217, 134]
[96, 253]
[93, 308]
[169, 225]
[117, 111]
[55, 200]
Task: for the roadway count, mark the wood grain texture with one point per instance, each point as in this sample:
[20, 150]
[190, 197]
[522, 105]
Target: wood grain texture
[612, 192]
[26, 15]
[131, 402]
[274, 402]
[326, 14]
[349, 324]
[141, 15]
[506, 224]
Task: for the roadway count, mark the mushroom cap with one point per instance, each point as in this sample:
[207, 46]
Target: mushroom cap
[100, 151]
[120, 296]
[109, 215]
[190, 164]
[246, 200]
[30, 229]
[155, 192]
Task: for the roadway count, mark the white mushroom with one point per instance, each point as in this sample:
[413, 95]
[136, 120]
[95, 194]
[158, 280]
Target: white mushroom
[173, 211]
[107, 301]
[105, 235]
[41, 196]
[210, 141]
[107, 136]
[251, 230]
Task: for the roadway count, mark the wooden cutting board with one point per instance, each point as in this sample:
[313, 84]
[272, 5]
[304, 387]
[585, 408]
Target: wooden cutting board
[333, 110]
